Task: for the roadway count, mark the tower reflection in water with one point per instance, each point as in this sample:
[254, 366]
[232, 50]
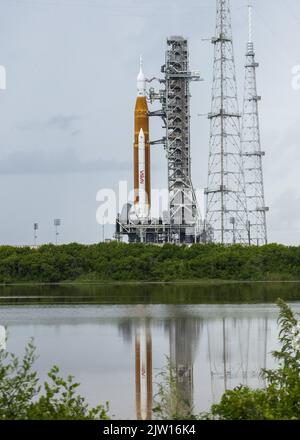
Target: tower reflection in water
[184, 334]
[237, 352]
[213, 351]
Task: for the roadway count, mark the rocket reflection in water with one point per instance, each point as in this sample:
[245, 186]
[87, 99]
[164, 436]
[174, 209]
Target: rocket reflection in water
[138, 335]
[143, 372]
[2, 338]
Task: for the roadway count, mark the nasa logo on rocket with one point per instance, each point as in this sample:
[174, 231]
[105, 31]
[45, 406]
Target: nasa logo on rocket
[142, 177]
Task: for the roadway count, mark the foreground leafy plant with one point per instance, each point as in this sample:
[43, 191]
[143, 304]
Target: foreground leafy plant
[21, 397]
[169, 402]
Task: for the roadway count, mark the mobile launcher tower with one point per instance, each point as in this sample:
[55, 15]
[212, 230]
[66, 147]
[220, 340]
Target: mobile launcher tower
[182, 223]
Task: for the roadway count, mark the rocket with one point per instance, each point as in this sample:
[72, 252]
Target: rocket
[142, 182]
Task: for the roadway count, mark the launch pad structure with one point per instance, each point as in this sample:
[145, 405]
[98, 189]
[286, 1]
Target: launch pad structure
[182, 223]
[235, 200]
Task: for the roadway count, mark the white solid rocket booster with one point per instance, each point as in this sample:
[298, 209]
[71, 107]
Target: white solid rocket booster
[143, 203]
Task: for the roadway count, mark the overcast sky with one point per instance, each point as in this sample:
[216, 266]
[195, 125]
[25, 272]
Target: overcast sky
[66, 118]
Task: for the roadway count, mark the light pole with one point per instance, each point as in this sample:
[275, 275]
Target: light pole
[232, 221]
[249, 232]
[35, 229]
[57, 223]
[103, 230]
[205, 232]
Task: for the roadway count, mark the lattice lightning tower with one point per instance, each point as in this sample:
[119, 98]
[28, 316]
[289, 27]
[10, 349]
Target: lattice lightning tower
[226, 205]
[253, 154]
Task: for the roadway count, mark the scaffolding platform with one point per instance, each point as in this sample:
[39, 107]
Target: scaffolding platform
[158, 232]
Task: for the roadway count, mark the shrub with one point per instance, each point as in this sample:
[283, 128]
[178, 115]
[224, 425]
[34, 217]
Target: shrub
[21, 397]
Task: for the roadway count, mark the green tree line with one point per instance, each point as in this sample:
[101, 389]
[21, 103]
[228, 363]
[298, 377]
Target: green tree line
[138, 262]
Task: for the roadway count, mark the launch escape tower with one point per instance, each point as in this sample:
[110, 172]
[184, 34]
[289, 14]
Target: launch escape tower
[226, 207]
[252, 151]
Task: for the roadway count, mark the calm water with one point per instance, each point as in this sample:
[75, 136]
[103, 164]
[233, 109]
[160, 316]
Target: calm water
[116, 351]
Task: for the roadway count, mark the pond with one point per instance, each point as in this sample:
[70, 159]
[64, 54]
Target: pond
[116, 340]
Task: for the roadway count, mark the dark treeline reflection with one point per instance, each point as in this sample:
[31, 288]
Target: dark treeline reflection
[150, 293]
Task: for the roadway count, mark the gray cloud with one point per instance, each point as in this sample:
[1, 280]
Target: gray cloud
[64, 162]
[56, 122]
